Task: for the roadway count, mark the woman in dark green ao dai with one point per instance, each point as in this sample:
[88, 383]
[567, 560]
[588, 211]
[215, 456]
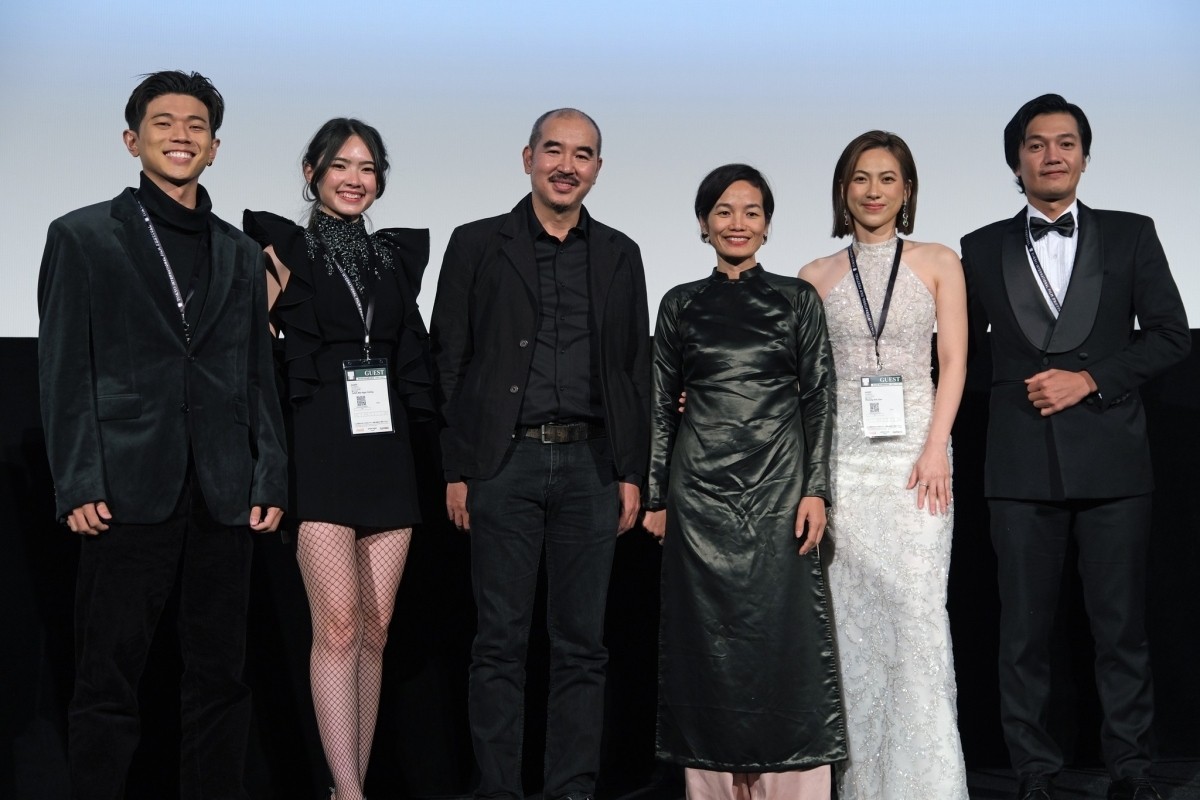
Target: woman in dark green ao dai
[738, 486]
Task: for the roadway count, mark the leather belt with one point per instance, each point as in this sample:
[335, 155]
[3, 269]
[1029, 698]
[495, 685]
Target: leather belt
[561, 432]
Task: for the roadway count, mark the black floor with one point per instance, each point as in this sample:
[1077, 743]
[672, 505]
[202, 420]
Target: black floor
[1175, 780]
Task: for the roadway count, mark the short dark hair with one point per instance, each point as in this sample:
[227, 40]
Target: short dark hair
[848, 162]
[716, 182]
[174, 81]
[535, 135]
[1014, 131]
[326, 143]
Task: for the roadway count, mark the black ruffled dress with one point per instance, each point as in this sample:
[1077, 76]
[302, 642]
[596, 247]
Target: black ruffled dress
[363, 481]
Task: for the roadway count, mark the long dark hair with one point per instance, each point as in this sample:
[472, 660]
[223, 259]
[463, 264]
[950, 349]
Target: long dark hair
[324, 147]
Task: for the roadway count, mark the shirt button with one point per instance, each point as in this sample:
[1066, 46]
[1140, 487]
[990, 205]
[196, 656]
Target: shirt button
[513, 389]
[183, 407]
[1083, 356]
[523, 343]
[1045, 361]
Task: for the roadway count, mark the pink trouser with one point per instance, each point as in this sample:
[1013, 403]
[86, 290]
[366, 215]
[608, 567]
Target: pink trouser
[809, 784]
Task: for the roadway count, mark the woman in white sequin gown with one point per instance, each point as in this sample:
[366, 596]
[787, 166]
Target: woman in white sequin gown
[891, 523]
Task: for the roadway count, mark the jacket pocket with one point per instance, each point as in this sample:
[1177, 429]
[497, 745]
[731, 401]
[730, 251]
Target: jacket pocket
[118, 406]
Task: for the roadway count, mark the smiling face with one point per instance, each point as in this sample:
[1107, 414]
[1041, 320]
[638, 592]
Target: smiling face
[349, 186]
[1051, 161]
[563, 165]
[736, 226]
[875, 195]
[174, 142]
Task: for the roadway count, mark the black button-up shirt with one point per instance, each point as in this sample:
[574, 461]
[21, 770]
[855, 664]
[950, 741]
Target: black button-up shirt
[564, 383]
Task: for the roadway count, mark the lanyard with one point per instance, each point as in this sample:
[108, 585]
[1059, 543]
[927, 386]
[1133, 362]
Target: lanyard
[180, 301]
[367, 315]
[887, 297]
[1037, 267]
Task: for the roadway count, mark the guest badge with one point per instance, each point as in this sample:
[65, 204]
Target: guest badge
[882, 405]
[367, 396]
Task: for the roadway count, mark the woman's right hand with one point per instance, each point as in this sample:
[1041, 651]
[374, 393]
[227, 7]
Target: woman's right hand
[655, 523]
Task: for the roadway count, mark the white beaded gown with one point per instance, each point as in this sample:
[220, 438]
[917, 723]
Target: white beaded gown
[887, 574]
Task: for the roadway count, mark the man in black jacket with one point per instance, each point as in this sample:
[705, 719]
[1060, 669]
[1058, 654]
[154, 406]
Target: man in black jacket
[1060, 284]
[541, 335]
[164, 438]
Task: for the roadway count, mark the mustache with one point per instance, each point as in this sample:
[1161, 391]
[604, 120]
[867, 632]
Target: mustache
[565, 178]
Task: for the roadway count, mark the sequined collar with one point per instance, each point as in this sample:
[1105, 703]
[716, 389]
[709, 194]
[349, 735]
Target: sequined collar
[348, 245]
[875, 248]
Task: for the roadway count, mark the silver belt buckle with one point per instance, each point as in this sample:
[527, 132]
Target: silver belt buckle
[543, 434]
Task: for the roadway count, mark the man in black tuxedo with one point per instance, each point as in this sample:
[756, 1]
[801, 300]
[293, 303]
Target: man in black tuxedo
[164, 439]
[541, 335]
[1061, 284]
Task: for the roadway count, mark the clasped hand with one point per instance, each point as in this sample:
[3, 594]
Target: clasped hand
[1056, 390]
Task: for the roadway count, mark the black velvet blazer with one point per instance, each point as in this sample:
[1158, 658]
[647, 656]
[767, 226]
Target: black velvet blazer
[125, 398]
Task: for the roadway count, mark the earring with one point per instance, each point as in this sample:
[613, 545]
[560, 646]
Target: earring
[764, 238]
[846, 218]
[210, 163]
[904, 215]
[704, 237]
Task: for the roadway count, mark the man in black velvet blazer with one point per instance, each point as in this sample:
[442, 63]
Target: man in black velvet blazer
[1067, 457]
[540, 335]
[164, 438]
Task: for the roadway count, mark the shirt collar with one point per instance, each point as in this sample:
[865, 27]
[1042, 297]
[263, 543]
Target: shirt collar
[535, 225]
[166, 209]
[1072, 209]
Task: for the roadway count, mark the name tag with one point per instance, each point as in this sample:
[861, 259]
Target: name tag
[882, 405]
[367, 396]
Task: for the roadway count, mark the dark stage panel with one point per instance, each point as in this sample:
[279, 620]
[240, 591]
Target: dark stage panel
[423, 748]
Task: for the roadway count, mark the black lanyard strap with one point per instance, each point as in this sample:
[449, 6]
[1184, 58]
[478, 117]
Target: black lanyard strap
[366, 315]
[1037, 267]
[887, 297]
[180, 301]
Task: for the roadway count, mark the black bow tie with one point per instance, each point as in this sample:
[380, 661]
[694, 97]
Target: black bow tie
[1064, 226]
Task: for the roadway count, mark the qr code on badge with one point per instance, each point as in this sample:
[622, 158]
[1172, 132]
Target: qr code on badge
[362, 401]
[874, 408]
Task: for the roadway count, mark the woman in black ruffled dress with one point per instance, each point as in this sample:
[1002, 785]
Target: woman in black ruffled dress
[343, 302]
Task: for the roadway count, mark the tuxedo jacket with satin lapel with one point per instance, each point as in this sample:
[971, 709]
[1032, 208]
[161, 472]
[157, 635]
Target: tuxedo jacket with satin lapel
[1098, 448]
[124, 398]
[484, 328]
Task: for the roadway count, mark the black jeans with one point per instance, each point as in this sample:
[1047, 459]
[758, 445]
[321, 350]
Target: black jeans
[561, 499]
[125, 576]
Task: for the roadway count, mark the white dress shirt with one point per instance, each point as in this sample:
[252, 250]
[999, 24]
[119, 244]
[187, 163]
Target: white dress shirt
[1056, 254]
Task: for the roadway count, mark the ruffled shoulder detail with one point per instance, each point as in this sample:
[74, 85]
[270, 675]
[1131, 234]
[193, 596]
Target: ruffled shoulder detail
[414, 367]
[294, 311]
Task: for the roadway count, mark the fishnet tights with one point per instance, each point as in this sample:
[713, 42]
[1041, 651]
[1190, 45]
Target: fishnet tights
[351, 585]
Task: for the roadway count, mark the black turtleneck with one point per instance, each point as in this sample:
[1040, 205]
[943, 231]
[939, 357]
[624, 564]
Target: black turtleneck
[184, 235]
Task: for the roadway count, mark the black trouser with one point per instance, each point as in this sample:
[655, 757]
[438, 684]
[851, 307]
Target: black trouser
[1030, 539]
[125, 576]
[560, 499]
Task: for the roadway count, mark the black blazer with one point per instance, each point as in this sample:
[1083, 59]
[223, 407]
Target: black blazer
[124, 398]
[485, 324]
[1098, 448]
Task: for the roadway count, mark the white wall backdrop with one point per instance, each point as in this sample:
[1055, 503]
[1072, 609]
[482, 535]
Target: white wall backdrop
[677, 87]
